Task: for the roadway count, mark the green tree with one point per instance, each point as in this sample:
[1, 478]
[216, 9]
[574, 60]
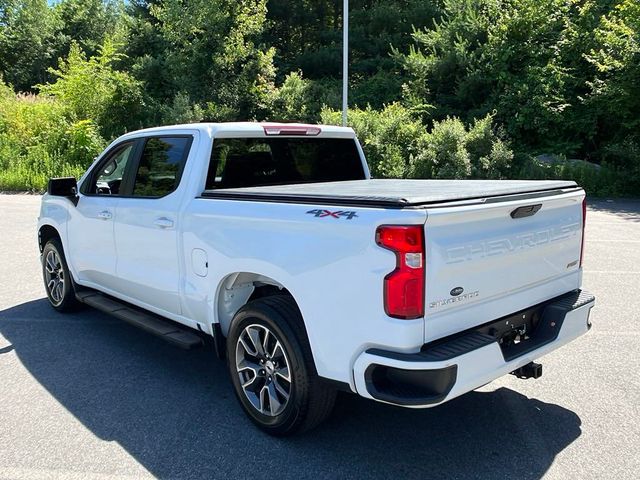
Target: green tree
[523, 59]
[307, 36]
[93, 89]
[614, 96]
[87, 23]
[207, 50]
[28, 42]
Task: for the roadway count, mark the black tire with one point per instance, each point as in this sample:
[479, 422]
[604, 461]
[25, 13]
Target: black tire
[58, 283]
[310, 398]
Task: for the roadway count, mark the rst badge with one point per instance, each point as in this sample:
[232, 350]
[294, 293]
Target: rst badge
[318, 213]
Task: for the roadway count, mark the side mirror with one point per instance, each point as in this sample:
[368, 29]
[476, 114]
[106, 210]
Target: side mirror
[63, 187]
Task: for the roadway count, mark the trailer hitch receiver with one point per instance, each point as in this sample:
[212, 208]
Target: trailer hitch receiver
[530, 370]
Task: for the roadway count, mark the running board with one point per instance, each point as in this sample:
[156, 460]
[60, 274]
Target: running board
[163, 328]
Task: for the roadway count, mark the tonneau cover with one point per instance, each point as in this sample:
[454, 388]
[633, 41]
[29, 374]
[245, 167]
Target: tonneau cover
[389, 193]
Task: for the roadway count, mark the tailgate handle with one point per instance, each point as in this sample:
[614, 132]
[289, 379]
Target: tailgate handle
[526, 211]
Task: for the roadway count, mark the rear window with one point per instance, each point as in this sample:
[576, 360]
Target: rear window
[161, 166]
[249, 162]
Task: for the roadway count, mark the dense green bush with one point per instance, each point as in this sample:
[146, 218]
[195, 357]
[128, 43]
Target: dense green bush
[446, 155]
[491, 156]
[397, 145]
[391, 138]
[454, 151]
[600, 180]
[93, 89]
[39, 140]
[291, 102]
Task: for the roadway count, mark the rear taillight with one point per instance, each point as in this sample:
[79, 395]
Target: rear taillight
[584, 221]
[404, 287]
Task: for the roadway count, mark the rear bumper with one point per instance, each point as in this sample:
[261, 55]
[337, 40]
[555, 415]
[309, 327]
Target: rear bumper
[463, 362]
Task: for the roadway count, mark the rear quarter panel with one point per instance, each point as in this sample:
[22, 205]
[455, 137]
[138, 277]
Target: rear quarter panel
[332, 267]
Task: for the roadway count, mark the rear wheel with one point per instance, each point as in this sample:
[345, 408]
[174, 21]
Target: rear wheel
[57, 279]
[272, 368]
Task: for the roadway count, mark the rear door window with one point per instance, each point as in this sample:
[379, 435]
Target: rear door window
[161, 164]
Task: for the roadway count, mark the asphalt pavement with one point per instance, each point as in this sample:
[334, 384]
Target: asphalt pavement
[85, 396]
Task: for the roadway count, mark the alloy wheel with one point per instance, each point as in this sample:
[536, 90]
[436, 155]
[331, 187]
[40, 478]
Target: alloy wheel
[263, 370]
[54, 277]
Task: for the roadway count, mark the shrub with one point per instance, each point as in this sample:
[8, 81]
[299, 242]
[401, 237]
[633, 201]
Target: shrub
[93, 89]
[446, 155]
[497, 164]
[598, 180]
[490, 155]
[625, 156]
[80, 143]
[38, 140]
[291, 100]
[181, 110]
[453, 151]
[397, 145]
[302, 100]
[391, 138]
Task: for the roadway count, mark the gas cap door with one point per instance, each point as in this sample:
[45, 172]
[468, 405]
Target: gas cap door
[199, 262]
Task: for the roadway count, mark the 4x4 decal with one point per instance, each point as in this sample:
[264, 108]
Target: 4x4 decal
[337, 214]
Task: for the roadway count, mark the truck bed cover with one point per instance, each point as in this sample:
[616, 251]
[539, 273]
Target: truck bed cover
[389, 193]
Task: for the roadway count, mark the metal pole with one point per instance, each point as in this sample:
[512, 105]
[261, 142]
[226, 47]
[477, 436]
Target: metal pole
[345, 59]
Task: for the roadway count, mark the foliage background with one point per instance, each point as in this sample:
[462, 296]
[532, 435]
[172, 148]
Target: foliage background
[438, 89]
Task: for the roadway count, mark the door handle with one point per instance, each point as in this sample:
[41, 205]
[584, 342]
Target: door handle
[105, 215]
[163, 222]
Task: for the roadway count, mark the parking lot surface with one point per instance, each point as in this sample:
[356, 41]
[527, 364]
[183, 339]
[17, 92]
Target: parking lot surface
[89, 397]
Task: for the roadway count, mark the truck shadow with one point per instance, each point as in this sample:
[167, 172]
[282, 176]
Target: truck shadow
[175, 413]
[625, 209]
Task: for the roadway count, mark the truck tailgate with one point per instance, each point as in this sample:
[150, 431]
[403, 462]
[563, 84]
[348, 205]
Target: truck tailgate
[478, 255]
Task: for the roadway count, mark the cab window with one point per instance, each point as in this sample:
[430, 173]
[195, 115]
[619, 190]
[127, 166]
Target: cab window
[250, 162]
[161, 165]
[111, 173]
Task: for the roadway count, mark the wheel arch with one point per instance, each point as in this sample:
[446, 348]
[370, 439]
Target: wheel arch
[45, 233]
[239, 288]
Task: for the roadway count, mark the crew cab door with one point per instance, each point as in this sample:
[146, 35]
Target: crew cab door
[146, 224]
[90, 230]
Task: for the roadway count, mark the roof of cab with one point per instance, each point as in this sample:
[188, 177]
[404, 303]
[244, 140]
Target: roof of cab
[237, 129]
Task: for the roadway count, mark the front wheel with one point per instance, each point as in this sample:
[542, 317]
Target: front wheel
[272, 368]
[57, 279]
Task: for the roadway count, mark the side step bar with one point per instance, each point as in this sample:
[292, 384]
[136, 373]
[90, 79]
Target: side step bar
[163, 328]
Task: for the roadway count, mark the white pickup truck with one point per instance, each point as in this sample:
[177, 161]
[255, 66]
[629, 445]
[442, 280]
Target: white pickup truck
[310, 276]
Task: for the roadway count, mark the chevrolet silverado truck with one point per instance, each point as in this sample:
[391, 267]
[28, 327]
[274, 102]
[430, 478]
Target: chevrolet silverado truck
[310, 276]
